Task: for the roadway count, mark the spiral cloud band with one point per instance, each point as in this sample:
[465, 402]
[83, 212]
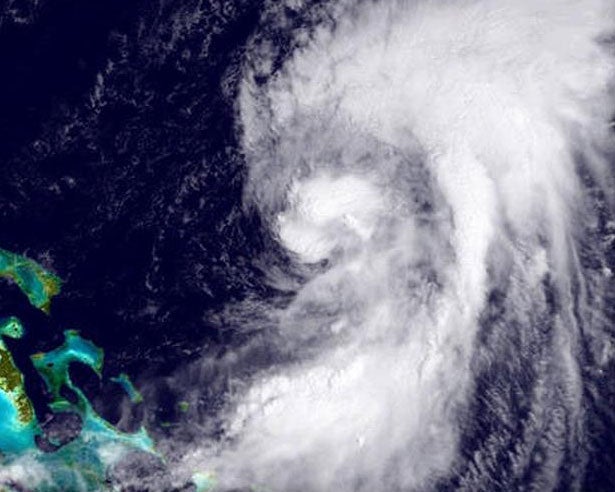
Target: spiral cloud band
[438, 172]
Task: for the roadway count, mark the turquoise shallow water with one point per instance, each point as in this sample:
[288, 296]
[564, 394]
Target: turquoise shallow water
[83, 463]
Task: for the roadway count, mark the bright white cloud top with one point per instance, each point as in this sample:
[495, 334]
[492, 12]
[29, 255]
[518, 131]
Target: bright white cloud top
[435, 160]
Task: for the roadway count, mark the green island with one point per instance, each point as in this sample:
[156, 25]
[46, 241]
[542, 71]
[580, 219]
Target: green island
[18, 425]
[35, 282]
[133, 393]
[83, 463]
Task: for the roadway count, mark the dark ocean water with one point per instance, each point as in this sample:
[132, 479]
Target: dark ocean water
[121, 172]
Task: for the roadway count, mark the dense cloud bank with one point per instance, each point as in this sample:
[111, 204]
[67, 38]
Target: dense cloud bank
[439, 174]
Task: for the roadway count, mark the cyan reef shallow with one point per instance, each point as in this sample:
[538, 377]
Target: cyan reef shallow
[82, 464]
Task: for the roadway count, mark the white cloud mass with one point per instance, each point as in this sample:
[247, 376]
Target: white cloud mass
[427, 153]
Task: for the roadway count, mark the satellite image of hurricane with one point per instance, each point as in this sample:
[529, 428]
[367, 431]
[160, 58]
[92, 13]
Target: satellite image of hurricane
[307, 246]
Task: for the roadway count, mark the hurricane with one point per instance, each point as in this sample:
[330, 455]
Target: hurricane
[437, 180]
